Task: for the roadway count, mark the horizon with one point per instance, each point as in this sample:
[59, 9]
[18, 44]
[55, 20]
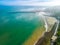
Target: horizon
[30, 2]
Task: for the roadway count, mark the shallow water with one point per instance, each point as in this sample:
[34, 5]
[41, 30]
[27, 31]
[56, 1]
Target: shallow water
[15, 28]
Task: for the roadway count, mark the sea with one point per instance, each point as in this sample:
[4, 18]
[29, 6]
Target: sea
[16, 26]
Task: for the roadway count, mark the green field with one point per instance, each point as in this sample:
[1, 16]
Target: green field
[58, 34]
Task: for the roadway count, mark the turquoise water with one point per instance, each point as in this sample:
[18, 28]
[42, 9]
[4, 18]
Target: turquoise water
[15, 28]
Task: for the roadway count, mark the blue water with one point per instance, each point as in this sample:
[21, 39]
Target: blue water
[15, 28]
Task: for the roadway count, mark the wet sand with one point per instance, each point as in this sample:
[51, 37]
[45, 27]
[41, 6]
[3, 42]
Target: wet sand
[37, 34]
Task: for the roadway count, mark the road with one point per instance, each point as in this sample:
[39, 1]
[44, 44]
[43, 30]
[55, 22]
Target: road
[47, 36]
[56, 25]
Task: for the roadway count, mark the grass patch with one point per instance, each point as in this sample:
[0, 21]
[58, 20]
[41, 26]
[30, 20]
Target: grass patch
[58, 34]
